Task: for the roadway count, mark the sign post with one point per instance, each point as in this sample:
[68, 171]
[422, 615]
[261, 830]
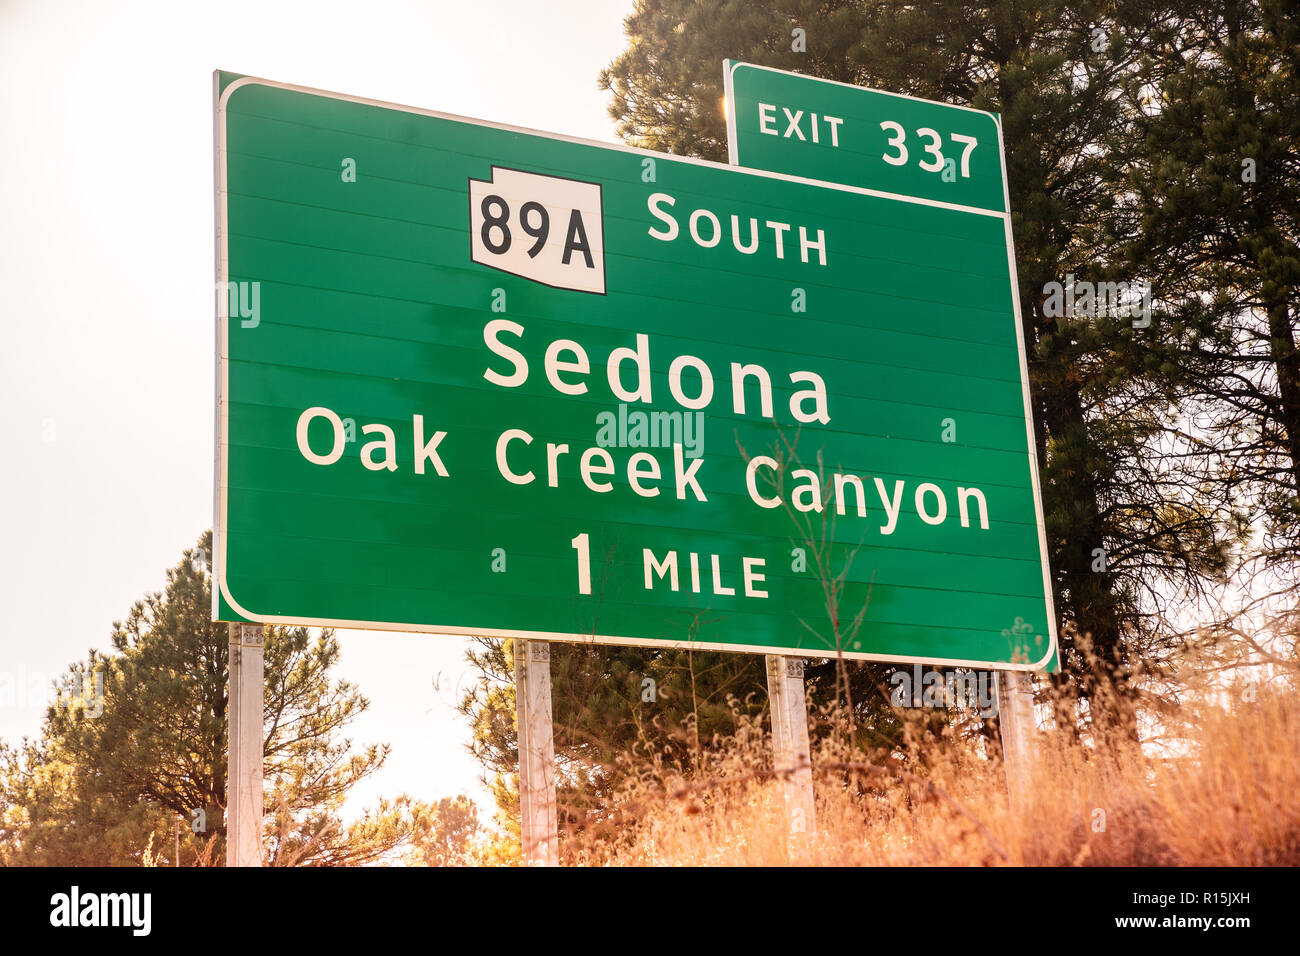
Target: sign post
[1019, 730]
[244, 746]
[537, 809]
[792, 753]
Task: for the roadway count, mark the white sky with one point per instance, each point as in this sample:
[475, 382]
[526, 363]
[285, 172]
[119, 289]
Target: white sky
[106, 231]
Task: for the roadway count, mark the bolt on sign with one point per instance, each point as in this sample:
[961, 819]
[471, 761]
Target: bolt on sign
[511, 383]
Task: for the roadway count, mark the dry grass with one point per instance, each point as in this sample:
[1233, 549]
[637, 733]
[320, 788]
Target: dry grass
[1219, 789]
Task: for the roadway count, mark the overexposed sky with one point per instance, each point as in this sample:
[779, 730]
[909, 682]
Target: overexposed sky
[106, 269]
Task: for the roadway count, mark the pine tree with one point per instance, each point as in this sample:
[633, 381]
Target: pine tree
[109, 773]
[1213, 213]
[445, 831]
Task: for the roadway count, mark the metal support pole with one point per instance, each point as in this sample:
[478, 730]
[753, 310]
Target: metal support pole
[1016, 721]
[244, 747]
[537, 810]
[790, 739]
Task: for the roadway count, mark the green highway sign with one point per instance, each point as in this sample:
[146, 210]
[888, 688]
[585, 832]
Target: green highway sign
[480, 379]
[820, 129]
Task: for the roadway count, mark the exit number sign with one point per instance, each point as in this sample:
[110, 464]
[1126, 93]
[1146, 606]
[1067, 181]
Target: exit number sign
[854, 136]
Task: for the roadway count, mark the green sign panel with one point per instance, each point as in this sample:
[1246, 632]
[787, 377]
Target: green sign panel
[478, 379]
[819, 129]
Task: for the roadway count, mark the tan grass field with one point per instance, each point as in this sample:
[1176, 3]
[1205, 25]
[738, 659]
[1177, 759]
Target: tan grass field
[1217, 788]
